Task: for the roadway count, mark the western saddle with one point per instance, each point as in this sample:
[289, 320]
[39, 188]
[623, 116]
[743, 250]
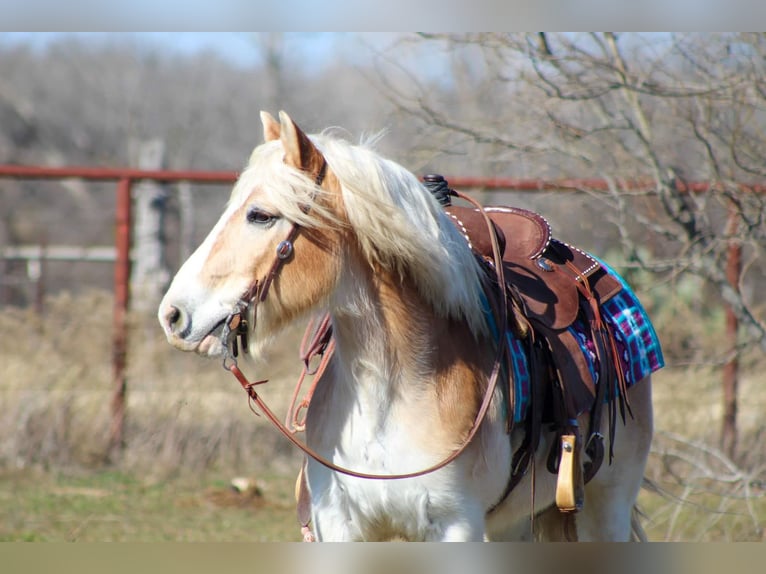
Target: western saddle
[549, 286]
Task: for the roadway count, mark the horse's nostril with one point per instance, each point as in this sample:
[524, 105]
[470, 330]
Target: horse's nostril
[175, 321]
[173, 315]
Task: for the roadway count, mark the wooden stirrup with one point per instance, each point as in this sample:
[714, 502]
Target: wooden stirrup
[569, 485]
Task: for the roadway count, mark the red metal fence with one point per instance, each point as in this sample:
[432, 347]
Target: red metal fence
[126, 177]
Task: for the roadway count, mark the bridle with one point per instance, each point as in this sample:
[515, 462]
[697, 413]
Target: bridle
[236, 325]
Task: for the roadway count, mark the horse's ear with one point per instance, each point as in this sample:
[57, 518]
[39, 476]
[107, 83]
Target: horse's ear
[270, 127]
[299, 151]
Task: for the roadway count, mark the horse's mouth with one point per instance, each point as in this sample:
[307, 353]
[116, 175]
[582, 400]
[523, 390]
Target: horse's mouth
[225, 336]
[212, 344]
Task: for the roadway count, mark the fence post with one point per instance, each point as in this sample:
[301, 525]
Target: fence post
[5, 289]
[186, 227]
[120, 335]
[150, 273]
[40, 277]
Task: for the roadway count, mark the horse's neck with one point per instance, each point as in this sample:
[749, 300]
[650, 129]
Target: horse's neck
[392, 349]
[380, 325]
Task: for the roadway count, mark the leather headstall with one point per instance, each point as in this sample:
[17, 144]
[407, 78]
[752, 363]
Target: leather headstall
[236, 326]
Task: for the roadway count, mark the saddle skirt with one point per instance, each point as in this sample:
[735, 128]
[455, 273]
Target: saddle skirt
[638, 349]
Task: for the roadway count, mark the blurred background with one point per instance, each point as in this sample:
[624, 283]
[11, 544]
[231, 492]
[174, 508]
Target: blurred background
[645, 149]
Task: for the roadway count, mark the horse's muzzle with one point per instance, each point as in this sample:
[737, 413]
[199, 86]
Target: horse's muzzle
[178, 327]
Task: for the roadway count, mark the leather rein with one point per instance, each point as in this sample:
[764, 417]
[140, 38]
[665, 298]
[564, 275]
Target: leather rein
[236, 326]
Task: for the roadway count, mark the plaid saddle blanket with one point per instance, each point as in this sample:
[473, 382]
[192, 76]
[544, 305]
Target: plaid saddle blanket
[637, 344]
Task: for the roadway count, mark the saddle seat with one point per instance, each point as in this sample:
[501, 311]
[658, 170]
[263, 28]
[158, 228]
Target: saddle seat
[535, 263]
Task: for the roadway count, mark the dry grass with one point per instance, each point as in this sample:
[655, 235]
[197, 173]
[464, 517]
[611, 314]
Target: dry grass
[188, 419]
[697, 493]
[184, 413]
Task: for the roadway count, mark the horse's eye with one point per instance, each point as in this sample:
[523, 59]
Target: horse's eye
[255, 215]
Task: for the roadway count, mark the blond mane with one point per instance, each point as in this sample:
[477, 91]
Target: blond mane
[397, 222]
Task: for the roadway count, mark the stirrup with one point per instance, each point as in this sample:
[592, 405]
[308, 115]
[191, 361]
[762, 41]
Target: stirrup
[570, 489]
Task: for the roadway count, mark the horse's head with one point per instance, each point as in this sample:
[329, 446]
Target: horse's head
[284, 194]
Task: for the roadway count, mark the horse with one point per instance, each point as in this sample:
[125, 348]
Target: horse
[316, 223]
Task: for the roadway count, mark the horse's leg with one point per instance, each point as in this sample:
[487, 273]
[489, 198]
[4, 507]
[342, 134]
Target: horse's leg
[552, 525]
[330, 519]
[330, 526]
[608, 515]
[611, 495]
[466, 526]
[462, 532]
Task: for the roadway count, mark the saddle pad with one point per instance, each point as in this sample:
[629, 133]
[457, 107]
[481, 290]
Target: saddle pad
[637, 344]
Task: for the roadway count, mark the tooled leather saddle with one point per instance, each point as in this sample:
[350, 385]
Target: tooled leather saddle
[546, 277]
[549, 286]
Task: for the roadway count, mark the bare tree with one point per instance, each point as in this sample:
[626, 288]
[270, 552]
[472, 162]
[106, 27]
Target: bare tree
[648, 113]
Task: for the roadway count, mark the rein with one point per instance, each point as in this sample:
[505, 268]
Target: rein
[237, 325]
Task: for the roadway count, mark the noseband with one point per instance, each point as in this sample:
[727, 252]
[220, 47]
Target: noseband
[236, 323]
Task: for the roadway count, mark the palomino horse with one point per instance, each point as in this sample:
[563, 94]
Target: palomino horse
[315, 223]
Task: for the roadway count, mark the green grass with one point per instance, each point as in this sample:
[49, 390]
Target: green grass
[117, 507]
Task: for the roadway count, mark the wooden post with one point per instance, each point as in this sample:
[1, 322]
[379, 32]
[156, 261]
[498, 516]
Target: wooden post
[120, 334]
[731, 368]
[5, 290]
[186, 224]
[40, 278]
[150, 272]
